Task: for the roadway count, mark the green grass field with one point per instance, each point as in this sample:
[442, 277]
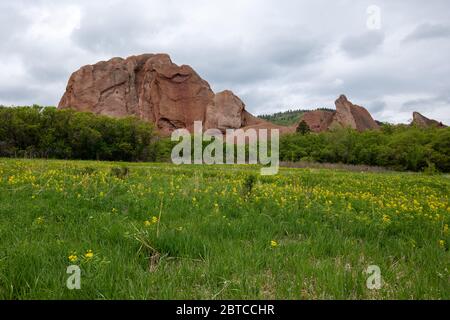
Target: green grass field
[207, 232]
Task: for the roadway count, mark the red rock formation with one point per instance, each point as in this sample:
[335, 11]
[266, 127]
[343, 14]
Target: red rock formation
[346, 115]
[153, 88]
[318, 120]
[353, 116]
[227, 112]
[423, 122]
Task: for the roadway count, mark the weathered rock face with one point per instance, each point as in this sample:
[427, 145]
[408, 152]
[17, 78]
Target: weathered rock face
[423, 122]
[346, 115]
[226, 112]
[318, 120]
[153, 88]
[353, 116]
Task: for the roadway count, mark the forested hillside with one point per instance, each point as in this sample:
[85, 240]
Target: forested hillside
[287, 118]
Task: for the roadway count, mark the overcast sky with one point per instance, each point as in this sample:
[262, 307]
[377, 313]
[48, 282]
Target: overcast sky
[275, 55]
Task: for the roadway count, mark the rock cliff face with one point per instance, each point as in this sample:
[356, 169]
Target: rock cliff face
[153, 88]
[318, 120]
[346, 115]
[226, 112]
[353, 116]
[423, 122]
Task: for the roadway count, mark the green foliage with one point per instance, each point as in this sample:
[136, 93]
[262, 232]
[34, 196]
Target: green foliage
[396, 147]
[36, 132]
[186, 232]
[286, 118]
[303, 128]
[430, 169]
[120, 172]
[87, 170]
[249, 183]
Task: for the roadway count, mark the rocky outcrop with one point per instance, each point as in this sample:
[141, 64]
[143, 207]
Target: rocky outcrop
[226, 112]
[353, 116]
[153, 88]
[318, 120]
[423, 122]
[347, 115]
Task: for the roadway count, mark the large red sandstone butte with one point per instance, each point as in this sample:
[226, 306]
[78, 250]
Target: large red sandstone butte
[346, 115]
[153, 88]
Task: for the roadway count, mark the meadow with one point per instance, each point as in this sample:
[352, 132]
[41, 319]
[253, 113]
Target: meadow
[160, 231]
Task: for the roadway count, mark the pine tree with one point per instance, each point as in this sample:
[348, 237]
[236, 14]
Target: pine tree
[303, 128]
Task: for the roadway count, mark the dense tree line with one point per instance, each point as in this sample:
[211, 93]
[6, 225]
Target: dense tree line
[65, 134]
[37, 132]
[399, 147]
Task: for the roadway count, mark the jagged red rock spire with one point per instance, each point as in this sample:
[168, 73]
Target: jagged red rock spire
[423, 122]
[346, 115]
[353, 116]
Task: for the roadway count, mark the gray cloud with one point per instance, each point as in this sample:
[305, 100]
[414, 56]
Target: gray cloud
[376, 106]
[428, 31]
[274, 55]
[17, 95]
[429, 103]
[362, 45]
[116, 28]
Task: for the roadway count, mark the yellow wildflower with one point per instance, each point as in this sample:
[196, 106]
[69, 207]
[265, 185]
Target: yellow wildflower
[73, 258]
[89, 254]
[442, 243]
[273, 244]
[153, 220]
[39, 220]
